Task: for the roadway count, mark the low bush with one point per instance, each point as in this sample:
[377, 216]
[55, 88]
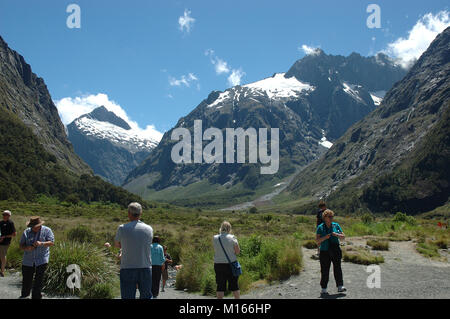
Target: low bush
[95, 265]
[361, 256]
[378, 244]
[99, 291]
[81, 234]
[367, 218]
[310, 244]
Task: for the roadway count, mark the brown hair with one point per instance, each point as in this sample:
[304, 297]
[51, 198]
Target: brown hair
[322, 204]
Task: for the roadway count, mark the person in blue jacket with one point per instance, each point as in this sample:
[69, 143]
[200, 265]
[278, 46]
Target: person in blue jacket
[158, 260]
[327, 236]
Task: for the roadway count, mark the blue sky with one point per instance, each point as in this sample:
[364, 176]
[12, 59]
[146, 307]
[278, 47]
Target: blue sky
[137, 55]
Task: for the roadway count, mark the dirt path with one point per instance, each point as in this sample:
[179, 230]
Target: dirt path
[404, 274]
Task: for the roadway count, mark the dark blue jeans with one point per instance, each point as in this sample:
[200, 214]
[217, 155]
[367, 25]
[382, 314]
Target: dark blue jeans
[136, 278]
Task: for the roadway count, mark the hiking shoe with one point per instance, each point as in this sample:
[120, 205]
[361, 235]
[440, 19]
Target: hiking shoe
[342, 289]
[324, 291]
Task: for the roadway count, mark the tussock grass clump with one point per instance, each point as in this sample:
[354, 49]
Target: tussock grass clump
[191, 276]
[378, 244]
[310, 244]
[81, 234]
[430, 248]
[99, 291]
[360, 256]
[96, 267]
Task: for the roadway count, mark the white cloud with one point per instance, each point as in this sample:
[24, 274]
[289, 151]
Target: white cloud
[409, 49]
[309, 50]
[185, 80]
[186, 21]
[71, 108]
[222, 67]
[235, 77]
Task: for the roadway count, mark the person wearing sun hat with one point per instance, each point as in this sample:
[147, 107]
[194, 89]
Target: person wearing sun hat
[36, 241]
[7, 231]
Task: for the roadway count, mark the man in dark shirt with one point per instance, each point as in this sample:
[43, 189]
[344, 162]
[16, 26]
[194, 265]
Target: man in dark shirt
[322, 208]
[7, 231]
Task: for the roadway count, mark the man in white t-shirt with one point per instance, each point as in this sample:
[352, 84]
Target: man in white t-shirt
[135, 239]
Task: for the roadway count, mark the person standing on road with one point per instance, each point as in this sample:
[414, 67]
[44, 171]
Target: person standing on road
[322, 208]
[165, 272]
[222, 266]
[36, 241]
[327, 236]
[134, 239]
[157, 266]
[7, 231]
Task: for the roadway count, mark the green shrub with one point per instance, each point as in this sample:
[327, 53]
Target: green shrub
[190, 276]
[310, 244]
[428, 249]
[289, 263]
[95, 265]
[378, 244]
[360, 256]
[367, 218]
[81, 234]
[209, 284]
[14, 256]
[99, 291]
[303, 220]
[401, 217]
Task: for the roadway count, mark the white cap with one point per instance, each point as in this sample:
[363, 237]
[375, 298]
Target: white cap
[7, 212]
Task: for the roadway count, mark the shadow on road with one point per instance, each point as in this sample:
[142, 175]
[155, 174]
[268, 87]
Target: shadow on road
[334, 296]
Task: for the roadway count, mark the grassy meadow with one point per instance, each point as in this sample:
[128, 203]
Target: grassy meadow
[270, 242]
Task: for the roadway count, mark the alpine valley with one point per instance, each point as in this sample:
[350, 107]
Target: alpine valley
[312, 104]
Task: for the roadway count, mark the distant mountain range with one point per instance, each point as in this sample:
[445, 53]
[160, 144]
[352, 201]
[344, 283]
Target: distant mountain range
[36, 157]
[108, 144]
[312, 104]
[25, 94]
[398, 157]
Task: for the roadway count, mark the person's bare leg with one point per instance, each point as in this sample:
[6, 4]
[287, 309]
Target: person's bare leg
[3, 261]
[237, 294]
[220, 294]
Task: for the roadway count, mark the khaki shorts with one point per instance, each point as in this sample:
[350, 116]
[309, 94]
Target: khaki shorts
[3, 250]
[165, 274]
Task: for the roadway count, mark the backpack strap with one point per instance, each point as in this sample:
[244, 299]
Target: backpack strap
[224, 251]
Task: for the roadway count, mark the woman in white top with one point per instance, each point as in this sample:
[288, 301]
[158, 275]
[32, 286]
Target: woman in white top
[221, 265]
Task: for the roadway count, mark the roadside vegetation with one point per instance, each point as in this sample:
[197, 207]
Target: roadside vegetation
[271, 244]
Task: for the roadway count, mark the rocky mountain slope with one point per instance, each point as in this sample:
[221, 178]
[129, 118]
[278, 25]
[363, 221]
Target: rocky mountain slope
[26, 95]
[108, 144]
[312, 105]
[397, 157]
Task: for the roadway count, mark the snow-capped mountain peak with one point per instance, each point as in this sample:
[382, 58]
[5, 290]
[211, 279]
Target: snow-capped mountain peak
[277, 87]
[105, 125]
